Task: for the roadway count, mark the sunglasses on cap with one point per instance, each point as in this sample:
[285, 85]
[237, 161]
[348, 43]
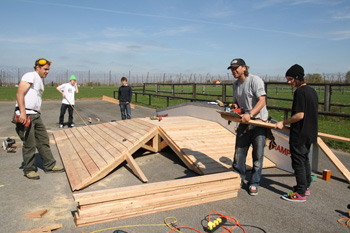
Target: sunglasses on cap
[42, 62]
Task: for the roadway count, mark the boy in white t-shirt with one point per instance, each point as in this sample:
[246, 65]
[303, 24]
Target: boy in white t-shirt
[68, 91]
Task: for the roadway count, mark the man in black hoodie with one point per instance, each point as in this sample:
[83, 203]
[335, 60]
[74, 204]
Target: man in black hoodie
[124, 97]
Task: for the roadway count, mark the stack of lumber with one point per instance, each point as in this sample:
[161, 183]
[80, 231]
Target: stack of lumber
[114, 204]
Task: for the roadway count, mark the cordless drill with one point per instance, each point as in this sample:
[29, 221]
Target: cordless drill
[240, 111]
[26, 125]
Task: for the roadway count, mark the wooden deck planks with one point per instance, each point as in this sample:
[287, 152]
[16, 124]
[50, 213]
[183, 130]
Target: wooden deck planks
[75, 168]
[90, 152]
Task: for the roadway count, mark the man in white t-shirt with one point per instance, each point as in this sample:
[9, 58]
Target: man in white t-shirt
[28, 104]
[68, 91]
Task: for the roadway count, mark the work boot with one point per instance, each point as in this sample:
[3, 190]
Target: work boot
[32, 175]
[55, 169]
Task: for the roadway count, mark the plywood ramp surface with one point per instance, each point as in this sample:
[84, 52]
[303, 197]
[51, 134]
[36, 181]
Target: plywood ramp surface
[204, 146]
[89, 153]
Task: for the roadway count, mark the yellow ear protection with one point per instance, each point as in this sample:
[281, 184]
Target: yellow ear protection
[41, 62]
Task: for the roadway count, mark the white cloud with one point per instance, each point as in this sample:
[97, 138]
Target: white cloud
[342, 16]
[112, 47]
[342, 35]
[120, 32]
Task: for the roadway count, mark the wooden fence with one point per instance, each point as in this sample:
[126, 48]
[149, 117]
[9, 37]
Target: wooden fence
[191, 89]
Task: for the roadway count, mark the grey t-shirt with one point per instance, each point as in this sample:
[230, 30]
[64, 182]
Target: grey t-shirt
[246, 94]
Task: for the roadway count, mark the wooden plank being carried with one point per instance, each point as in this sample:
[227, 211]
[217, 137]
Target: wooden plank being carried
[233, 117]
[333, 158]
[114, 101]
[125, 202]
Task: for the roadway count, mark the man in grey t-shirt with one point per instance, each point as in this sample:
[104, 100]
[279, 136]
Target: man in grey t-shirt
[249, 94]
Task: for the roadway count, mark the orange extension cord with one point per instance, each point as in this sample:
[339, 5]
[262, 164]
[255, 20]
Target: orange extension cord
[347, 223]
[228, 218]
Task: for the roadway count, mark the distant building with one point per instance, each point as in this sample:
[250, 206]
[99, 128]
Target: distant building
[216, 81]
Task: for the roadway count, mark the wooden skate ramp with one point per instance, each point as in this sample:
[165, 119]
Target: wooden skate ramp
[204, 146]
[89, 153]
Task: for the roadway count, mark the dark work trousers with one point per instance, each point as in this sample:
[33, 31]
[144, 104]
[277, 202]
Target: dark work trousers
[35, 138]
[63, 111]
[301, 166]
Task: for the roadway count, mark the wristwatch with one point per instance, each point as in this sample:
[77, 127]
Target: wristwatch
[251, 115]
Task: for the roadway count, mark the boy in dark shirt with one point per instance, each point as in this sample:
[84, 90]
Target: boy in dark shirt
[303, 132]
[124, 97]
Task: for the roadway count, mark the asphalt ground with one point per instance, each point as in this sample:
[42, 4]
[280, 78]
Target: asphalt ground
[266, 212]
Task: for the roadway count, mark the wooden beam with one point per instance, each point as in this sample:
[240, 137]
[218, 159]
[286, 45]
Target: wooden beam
[150, 148]
[45, 228]
[333, 137]
[114, 101]
[333, 158]
[125, 202]
[135, 168]
[36, 214]
[233, 117]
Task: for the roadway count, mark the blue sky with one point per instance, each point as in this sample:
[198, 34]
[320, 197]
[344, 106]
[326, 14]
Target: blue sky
[177, 36]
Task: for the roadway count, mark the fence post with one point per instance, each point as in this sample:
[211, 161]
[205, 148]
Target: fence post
[135, 97]
[194, 88]
[285, 114]
[167, 101]
[172, 90]
[203, 89]
[327, 98]
[156, 88]
[149, 99]
[223, 92]
[144, 88]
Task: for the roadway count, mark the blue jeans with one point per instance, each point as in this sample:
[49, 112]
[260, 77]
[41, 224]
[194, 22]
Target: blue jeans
[125, 110]
[249, 135]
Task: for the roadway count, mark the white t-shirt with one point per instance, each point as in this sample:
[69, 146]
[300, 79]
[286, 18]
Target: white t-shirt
[246, 94]
[69, 90]
[32, 98]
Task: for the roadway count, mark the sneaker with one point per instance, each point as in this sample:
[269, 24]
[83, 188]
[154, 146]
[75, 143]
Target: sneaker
[307, 192]
[61, 126]
[253, 190]
[55, 169]
[71, 126]
[32, 175]
[294, 196]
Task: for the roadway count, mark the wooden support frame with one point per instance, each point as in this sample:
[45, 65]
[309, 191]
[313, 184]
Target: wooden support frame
[135, 168]
[333, 158]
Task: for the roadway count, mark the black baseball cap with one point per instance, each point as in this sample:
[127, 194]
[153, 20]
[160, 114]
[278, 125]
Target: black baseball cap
[237, 62]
